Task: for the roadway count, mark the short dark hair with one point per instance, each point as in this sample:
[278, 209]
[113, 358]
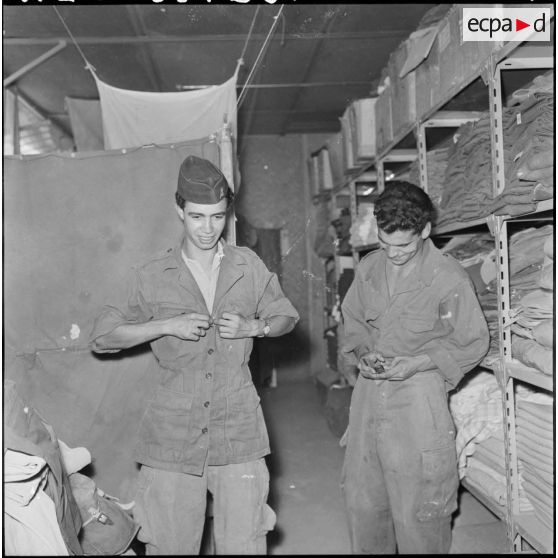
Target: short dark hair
[403, 206]
[181, 202]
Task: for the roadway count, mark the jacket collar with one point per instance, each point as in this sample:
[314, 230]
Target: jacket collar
[422, 275]
[231, 270]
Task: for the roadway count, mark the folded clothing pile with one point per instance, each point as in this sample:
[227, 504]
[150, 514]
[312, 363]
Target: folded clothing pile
[436, 165]
[467, 193]
[528, 153]
[535, 449]
[532, 297]
[476, 253]
[364, 228]
[476, 408]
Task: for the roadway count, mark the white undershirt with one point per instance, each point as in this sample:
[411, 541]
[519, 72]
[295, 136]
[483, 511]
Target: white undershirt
[206, 283]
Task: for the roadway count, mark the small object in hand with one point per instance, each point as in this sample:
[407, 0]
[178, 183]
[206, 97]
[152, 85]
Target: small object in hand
[378, 368]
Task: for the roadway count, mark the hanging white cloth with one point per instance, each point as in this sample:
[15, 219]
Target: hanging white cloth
[137, 118]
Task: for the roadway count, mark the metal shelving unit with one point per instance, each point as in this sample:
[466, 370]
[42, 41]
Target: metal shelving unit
[520, 526]
[510, 57]
[497, 509]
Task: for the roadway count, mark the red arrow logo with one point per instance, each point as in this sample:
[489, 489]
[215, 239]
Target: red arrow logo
[519, 25]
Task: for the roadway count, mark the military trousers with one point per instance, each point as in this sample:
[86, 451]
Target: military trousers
[400, 477]
[171, 509]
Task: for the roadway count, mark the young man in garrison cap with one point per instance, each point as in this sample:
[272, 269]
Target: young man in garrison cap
[199, 305]
[414, 327]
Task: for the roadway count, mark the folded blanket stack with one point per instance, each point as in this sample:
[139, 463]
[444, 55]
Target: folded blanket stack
[532, 296]
[535, 449]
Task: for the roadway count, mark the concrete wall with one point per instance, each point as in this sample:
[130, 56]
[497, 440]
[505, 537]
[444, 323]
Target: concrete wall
[275, 193]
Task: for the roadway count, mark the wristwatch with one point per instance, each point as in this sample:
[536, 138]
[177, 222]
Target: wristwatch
[266, 329]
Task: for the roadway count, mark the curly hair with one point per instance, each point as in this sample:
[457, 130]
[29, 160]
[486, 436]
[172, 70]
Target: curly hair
[181, 202]
[403, 206]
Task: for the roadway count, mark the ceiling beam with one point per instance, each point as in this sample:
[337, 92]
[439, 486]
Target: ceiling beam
[31, 65]
[286, 85]
[125, 39]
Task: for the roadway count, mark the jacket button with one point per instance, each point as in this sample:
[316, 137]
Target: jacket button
[210, 351]
[206, 404]
[204, 430]
[209, 375]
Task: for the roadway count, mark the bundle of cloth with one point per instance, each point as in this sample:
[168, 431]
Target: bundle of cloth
[467, 192]
[532, 296]
[476, 408]
[535, 450]
[528, 149]
[49, 507]
[364, 229]
[476, 253]
[436, 165]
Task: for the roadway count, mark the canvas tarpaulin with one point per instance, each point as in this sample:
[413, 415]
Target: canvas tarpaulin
[87, 123]
[134, 118]
[73, 227]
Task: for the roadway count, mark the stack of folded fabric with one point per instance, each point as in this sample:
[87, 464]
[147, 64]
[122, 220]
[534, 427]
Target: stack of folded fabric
[364, 228]
[436, 165]
[535, 449]
[529, 150]
[476, 253]
[486, 468]
[532, 286]
[467, 193]
[476, 408]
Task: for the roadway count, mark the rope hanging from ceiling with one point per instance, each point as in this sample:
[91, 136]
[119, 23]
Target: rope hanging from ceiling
[242, 95]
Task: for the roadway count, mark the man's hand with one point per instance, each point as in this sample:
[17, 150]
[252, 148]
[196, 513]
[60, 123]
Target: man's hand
[235, 326]
[187, 326]
[404, 367]
[369, 363]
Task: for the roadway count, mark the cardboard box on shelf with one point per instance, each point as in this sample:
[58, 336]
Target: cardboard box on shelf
[403, 97]
[427, 83]
[363, 129]
[384, 123]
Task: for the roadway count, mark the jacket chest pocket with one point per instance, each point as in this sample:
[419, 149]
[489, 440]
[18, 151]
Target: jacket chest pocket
[169, 347]
[374, 307]
[418, 324]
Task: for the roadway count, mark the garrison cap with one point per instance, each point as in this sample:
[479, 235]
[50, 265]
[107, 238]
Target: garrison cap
[199, 181]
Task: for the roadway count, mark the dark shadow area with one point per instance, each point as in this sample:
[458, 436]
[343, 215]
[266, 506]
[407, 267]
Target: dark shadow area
[124, 353]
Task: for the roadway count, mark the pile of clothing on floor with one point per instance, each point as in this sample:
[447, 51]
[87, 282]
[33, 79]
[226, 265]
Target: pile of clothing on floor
[364, 228]
[49, 507]
[477, 255]
[528, 149]
[535, 448]
[531, 297]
